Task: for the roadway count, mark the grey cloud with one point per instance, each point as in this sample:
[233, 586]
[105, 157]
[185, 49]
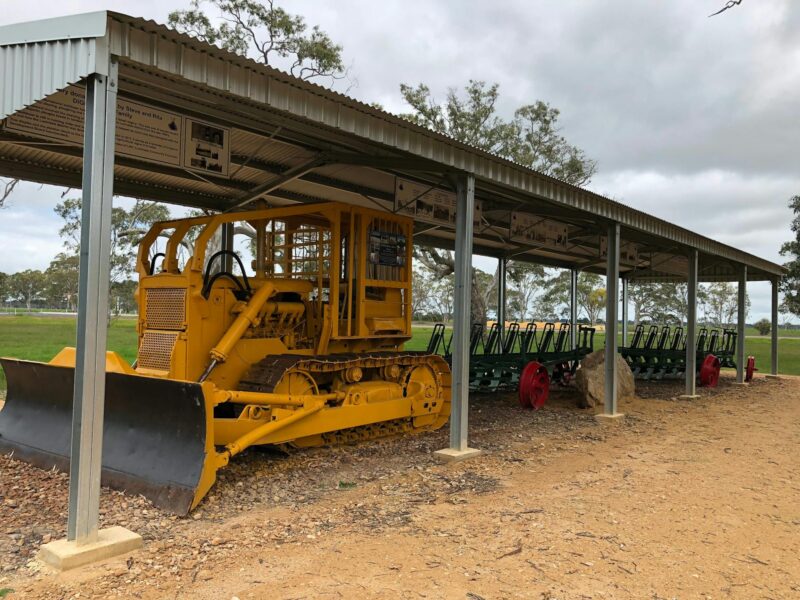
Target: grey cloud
[640, 84]
[690, 118]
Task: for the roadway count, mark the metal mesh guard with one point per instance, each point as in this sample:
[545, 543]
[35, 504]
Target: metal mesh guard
[156, 350]
[165, 308]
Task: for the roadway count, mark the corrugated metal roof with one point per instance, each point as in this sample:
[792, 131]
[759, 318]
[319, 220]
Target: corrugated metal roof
[326, 118]
[30, 72]
[42, 57]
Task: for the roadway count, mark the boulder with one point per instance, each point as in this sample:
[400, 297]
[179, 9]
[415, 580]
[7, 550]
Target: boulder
[591, 380]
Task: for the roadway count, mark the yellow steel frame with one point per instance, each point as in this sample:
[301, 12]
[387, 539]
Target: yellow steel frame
[368, 307]
[358, 220]
[331, 285]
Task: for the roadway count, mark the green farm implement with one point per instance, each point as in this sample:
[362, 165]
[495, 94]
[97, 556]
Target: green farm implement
[661, 353]
[519, 358]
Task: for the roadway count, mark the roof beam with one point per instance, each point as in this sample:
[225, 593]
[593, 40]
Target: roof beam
[316, 178]
[401, 163]
[265, 188]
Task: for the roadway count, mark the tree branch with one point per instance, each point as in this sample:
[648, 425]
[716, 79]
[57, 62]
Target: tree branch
[729, 4]
[8, 189]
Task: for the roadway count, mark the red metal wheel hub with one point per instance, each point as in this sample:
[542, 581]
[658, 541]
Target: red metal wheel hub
[750, 369]
[534, 386]
[709, 371]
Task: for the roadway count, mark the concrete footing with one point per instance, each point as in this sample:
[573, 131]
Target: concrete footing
[449, 455]
[771, 376]
[740, 383]
[65, 555]
[613, 418]
[688, 397]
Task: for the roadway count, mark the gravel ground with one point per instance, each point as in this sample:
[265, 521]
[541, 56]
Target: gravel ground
[269, 510]
[33, 501]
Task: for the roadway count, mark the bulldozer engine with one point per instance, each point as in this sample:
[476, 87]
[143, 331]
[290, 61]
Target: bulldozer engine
[303, 348]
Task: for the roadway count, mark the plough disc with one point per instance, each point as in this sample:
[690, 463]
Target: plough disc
[709, 371]
[534, 386]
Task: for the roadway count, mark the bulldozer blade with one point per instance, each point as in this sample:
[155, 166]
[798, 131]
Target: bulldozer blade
[155, 431]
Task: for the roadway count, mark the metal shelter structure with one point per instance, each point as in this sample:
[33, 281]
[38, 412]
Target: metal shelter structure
[120, 105]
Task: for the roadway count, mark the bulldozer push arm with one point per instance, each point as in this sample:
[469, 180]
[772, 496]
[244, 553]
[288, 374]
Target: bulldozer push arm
[246, 319]
[306, 349]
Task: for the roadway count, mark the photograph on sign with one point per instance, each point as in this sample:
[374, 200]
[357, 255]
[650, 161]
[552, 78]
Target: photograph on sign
[427, 203]
[532, 229]
[207, 148]
[628, 251]
[143, 132]
[405, 197]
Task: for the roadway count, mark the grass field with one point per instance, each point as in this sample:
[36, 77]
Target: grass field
[40, 338]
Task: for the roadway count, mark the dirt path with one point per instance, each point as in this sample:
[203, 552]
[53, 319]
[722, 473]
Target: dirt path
[680, 500]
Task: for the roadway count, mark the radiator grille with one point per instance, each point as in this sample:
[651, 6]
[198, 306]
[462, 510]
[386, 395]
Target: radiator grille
[165, 308]
[155, 350]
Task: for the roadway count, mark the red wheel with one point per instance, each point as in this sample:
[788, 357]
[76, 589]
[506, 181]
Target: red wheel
[709, 371]
[534, 386]
[750, 369]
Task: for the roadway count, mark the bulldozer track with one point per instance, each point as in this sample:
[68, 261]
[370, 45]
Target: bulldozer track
[265, 375]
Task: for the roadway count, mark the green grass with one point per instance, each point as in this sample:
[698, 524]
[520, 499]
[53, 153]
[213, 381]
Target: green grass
[22, 310]
[419, 337]
[40, 338]
[751, 332]
[788, 354]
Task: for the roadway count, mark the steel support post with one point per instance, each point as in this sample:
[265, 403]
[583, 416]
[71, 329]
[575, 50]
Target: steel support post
[624, 312]
[465, 209]
[502, 267]
[90, 363]
[573, 308]
[226, 264]
[691, 326]
[740, 325]
[774, 352]
[612, 305]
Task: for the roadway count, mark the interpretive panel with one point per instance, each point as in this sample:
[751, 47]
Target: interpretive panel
[537, 231]
[429, 204]
[143, 132]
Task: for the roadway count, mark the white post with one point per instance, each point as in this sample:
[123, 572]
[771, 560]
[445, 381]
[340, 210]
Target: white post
[774, 346]
[573, 308]
[502, 269]
[691, 328]
[90, 364]
[459, 421]
[740, 325]
[624, 311]
[612, 306]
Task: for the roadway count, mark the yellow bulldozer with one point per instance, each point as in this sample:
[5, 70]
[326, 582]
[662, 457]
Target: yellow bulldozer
[306, 349]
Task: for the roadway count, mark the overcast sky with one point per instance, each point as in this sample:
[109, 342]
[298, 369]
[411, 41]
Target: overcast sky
[690, 118]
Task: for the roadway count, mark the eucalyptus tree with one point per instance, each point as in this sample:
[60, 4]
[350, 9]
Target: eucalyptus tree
[790, 284]
[127, 227]
[531, 137]
[265, 32]
[591, 295]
